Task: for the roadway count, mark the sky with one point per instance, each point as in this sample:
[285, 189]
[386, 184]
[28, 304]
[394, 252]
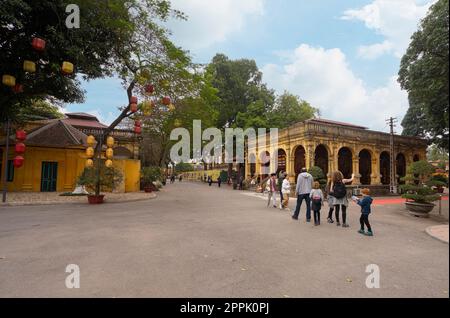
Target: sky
[342, 56]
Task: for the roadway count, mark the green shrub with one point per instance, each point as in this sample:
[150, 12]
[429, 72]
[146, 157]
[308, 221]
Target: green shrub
[418, 183]
[149, 175]
[110, 178]
[318, 176]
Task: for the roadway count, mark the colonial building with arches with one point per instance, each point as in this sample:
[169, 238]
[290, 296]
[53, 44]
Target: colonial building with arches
[332, 146]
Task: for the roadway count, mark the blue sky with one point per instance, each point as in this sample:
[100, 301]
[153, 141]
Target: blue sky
[340, 55]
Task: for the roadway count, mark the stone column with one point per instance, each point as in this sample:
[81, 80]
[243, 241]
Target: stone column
[357, 175]
[309, 155]
[375, 176]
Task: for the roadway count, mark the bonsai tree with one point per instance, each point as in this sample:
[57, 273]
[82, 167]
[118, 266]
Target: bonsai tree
[110, 178]
[318, 176]
[439, 180]
[418, 183]
[149, 176]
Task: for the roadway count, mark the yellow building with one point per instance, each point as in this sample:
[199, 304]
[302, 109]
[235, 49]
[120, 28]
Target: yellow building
[55, 155]
[333, 146]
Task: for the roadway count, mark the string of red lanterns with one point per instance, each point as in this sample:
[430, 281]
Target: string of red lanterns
[20, 148]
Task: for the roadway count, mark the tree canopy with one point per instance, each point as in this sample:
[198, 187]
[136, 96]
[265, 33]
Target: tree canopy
[424, 75]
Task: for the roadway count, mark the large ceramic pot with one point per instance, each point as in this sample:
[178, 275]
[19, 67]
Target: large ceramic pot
[95, 199]
[149, 188]
[419, 209]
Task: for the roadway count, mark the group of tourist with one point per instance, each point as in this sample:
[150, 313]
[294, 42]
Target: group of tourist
[310, 191]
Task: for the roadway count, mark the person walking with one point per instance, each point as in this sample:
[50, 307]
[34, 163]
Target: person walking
[286, 191]
[281, 177]
[316, 202]
[303, 190]
[365, 202]
[219, 181]
[209, 180]
[339, 194]
[272, 190]
[330, 200]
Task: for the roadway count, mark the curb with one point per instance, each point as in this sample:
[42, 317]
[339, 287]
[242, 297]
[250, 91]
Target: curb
[151, 197]
[429, 229]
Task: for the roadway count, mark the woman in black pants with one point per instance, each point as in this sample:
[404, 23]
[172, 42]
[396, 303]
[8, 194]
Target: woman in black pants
[339, 203]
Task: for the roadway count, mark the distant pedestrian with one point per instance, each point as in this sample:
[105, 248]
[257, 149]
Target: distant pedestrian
[272, 190]
[339, 194]
[241, 183]
[281, 177]
[316, 202]
[209, 180]
[365, 202]
[286, 191]
[219, 181]
[180, 178]
[303, 190]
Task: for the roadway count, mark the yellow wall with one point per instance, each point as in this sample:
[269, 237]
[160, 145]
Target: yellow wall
[71, 164]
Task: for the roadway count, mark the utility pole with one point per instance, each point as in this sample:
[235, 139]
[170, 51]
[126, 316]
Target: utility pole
[392, 122]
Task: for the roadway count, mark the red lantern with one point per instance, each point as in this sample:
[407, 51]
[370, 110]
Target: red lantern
[38, 44]
[18, 161]
[137, 123]
[133, 108]
[20, 148]
[133, 100]
[138, 130]
[149, 89]
[18, 88]
[166, 101]
[21, 135]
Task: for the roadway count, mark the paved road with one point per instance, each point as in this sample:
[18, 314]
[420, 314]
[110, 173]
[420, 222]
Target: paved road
[196, 241]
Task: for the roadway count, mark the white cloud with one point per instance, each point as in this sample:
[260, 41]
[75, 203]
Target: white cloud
[371, 52]
[324, 78]
[396, 20]
[210, 22]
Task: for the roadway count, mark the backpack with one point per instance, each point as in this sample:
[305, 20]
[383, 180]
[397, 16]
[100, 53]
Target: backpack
[316, 198]
[339, 190]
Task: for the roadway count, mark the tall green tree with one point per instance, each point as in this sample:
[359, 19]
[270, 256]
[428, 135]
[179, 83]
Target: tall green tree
[290, 109]
[239, 85]
[424, 74]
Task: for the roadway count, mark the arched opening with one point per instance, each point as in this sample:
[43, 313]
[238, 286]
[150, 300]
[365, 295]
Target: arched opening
[365, 166]
[281, 161]
[321, 158]
[252, 165]
[265, 164]
[416, 158]
[400, 167]
[385, 169]
[345, 161]
[299, 160]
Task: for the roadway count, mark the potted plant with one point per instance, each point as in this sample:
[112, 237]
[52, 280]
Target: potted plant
[440, 181]
[418, 189]
[149, 176]
[318, 176]
[107, 180]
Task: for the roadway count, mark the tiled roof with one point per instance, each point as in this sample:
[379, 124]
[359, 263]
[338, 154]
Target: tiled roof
[56, 134]
[332, 122]
[83, 123]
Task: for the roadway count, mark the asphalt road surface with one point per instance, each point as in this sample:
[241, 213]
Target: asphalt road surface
[200, 241]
